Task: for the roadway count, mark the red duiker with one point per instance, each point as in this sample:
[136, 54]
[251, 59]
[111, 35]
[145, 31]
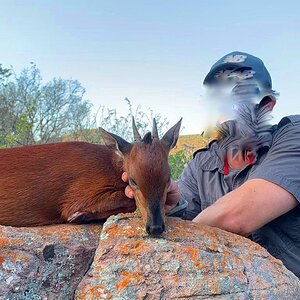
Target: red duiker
[146, 162]
[80, 182]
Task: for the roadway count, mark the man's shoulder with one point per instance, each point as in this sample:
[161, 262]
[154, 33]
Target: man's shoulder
[291, 119]
[206, 149]
[208, 158]
[286, 133]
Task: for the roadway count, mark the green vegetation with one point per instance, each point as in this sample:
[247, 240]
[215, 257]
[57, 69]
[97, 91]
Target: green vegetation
[178, 162]
[34, 112]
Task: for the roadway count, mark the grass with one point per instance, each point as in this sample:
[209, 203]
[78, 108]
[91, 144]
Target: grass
[183, 152]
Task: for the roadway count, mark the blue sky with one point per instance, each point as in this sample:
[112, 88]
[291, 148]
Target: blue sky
[156, 53]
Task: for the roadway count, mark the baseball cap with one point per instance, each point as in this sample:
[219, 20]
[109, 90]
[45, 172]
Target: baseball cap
[239, 67]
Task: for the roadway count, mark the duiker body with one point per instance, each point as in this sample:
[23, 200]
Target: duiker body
[79, 182]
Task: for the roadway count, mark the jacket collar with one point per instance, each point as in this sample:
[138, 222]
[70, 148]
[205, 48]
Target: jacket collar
[212, 158]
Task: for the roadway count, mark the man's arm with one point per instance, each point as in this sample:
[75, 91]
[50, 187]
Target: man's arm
[248, 208]
[272, 189]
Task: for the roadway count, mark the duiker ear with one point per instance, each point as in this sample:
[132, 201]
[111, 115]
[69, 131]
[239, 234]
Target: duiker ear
[115, 142]
[171, 136]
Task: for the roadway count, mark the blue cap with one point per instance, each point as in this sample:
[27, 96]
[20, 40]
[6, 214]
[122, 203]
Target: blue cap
[239, 66]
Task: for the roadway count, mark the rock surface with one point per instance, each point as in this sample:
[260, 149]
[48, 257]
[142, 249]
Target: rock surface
[45, 262]
[190, 261]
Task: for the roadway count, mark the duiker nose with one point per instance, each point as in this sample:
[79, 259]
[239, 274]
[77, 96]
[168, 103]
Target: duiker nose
[155, 229]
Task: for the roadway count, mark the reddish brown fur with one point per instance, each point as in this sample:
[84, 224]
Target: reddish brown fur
[46, 184]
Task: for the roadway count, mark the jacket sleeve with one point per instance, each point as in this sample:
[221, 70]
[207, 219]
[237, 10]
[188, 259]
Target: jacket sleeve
[282, 163]
[189, 205]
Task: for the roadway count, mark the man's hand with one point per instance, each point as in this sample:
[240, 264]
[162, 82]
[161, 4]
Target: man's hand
[173, 193]
[128, 190]
[173, 196]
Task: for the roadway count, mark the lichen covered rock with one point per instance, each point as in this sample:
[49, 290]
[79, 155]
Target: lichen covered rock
[45, 262]
[189, 261]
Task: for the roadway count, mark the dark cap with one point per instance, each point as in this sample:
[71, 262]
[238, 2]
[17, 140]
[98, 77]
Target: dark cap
[239, 66]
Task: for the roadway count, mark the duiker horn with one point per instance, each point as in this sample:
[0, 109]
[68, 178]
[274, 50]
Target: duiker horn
[154, 130]
[136, 135]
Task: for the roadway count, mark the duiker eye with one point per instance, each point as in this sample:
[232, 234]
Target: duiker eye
[132, 181]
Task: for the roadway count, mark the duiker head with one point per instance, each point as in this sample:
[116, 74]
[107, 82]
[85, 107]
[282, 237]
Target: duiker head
[146, 162]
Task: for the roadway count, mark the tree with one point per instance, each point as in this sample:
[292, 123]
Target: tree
[32, 112]
[122, 125]
[4, 74]
[4, 107]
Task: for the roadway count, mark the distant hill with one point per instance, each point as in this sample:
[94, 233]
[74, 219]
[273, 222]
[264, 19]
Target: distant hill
[190, 143]
[186, 143]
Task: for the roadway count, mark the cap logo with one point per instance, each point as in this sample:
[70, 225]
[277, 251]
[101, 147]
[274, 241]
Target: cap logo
[237, 58]
[237, 75]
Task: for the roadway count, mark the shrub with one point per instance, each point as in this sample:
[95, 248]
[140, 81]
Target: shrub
[178, 162]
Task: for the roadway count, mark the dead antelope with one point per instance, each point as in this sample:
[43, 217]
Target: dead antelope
[80, 182]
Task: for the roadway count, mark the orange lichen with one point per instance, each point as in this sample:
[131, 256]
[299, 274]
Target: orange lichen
[94, 292]
[98, 268]
[133, 247]
[213, 285]
[194, 255]
[121, 231]
[3, 241]
[128, 277]
[66, 231]
[1, 260]
[175, 278]
[214, 246]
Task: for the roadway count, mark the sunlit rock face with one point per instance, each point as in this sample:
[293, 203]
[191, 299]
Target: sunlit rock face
[188, 261]
[45, 262]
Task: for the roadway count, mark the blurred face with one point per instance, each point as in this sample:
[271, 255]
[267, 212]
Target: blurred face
[149, 177]
[241, 101]
[217, 104]
[223, 98]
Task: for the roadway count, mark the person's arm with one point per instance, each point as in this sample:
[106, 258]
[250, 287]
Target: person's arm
[248, 208]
